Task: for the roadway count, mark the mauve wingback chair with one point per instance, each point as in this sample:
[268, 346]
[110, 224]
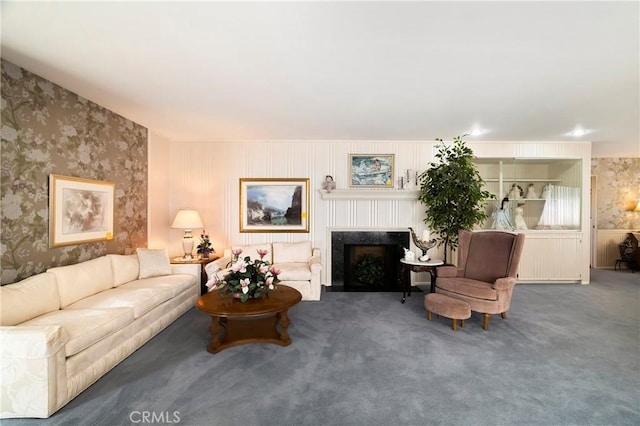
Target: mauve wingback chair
[485, 274]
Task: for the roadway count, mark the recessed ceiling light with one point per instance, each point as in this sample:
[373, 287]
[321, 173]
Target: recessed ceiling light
[578, 132]
[476, 131]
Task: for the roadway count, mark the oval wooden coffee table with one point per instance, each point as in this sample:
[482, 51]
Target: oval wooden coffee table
[235, 323]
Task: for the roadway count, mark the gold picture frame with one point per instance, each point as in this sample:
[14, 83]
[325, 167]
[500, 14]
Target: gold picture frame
[274, 205]
[80, 210]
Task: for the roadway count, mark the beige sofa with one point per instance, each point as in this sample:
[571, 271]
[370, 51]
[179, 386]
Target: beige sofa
[64, 329]
[299, 264]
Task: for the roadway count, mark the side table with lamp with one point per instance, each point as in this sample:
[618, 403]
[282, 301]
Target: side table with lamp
[189, 220]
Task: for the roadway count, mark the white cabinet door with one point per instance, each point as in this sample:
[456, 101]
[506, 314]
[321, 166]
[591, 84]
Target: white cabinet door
[551, 257]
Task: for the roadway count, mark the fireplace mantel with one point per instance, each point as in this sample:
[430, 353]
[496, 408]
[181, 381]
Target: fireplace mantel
[371, 194]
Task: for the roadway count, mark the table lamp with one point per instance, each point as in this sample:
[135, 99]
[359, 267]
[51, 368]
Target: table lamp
[187, 220]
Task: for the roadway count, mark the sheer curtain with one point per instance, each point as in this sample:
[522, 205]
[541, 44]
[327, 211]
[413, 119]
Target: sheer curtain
[561, 208]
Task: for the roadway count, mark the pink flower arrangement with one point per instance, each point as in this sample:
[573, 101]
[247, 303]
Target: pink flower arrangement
[246, 278]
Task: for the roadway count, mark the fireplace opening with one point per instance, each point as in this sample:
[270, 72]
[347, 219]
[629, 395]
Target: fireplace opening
[371, 267]
[357, 257]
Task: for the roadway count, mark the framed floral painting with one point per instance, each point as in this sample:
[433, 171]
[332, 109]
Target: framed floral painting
[371, 170]
[80, 210]
[274, 205]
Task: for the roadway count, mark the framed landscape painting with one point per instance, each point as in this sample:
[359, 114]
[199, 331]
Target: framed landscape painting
[371, 171]
[80, 210]
[274, 205]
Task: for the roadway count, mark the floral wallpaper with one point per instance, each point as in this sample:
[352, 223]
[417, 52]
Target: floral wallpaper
[618, 191]
[47, 129]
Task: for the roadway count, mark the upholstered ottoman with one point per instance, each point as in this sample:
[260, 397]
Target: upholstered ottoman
[447, 307]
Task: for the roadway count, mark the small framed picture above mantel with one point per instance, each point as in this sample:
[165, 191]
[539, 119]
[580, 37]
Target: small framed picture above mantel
[80, 210]
[274, 205]
[371, 170]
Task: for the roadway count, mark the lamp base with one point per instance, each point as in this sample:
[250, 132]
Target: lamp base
[187, 245]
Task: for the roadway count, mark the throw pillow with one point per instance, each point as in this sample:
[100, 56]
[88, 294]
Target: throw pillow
[153, 262]
[291, 252]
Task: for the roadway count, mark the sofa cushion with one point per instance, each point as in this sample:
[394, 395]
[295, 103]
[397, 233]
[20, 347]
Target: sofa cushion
[28, 299]
[176, 283]
[84, 327]
[468, 287]
[141, 300]
[125, 268]
[294, 271]
[291, 252]
[153, 262]
[251, 251]
[84, 279]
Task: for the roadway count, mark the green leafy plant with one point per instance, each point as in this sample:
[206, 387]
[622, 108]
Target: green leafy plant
[369, 270]
[452, 191]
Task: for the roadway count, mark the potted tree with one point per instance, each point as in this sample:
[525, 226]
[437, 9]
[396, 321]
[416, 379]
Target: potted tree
[451, 189]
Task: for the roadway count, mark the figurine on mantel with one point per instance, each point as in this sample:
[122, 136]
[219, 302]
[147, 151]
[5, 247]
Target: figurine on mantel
[328, 184]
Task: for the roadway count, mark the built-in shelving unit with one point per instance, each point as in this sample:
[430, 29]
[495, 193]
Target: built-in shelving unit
[563, 210]
[556, 247]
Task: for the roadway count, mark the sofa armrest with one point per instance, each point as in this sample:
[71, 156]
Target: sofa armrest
[505, 283]
[217, 265]
[315, 264]
[315, 261]
[34, 373]
[31, 342]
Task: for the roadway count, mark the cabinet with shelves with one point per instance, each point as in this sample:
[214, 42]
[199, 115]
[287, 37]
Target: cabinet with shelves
[556, 247]
[544, 194]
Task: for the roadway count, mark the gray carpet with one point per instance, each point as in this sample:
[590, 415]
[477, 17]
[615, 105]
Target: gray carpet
[566, 355]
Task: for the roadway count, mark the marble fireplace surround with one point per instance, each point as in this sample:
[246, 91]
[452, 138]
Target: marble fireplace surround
[339, 237]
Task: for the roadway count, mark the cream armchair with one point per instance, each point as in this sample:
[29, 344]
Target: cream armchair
[486, 271]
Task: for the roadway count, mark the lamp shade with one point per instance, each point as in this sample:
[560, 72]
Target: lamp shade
[187, 219]
[637, 209]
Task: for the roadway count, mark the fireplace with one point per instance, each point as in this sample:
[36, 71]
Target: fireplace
[355, 252]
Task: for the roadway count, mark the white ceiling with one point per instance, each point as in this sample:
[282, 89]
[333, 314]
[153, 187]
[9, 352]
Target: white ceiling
[211, 71]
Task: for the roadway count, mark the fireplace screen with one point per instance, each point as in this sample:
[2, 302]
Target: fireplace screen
[371, 267]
